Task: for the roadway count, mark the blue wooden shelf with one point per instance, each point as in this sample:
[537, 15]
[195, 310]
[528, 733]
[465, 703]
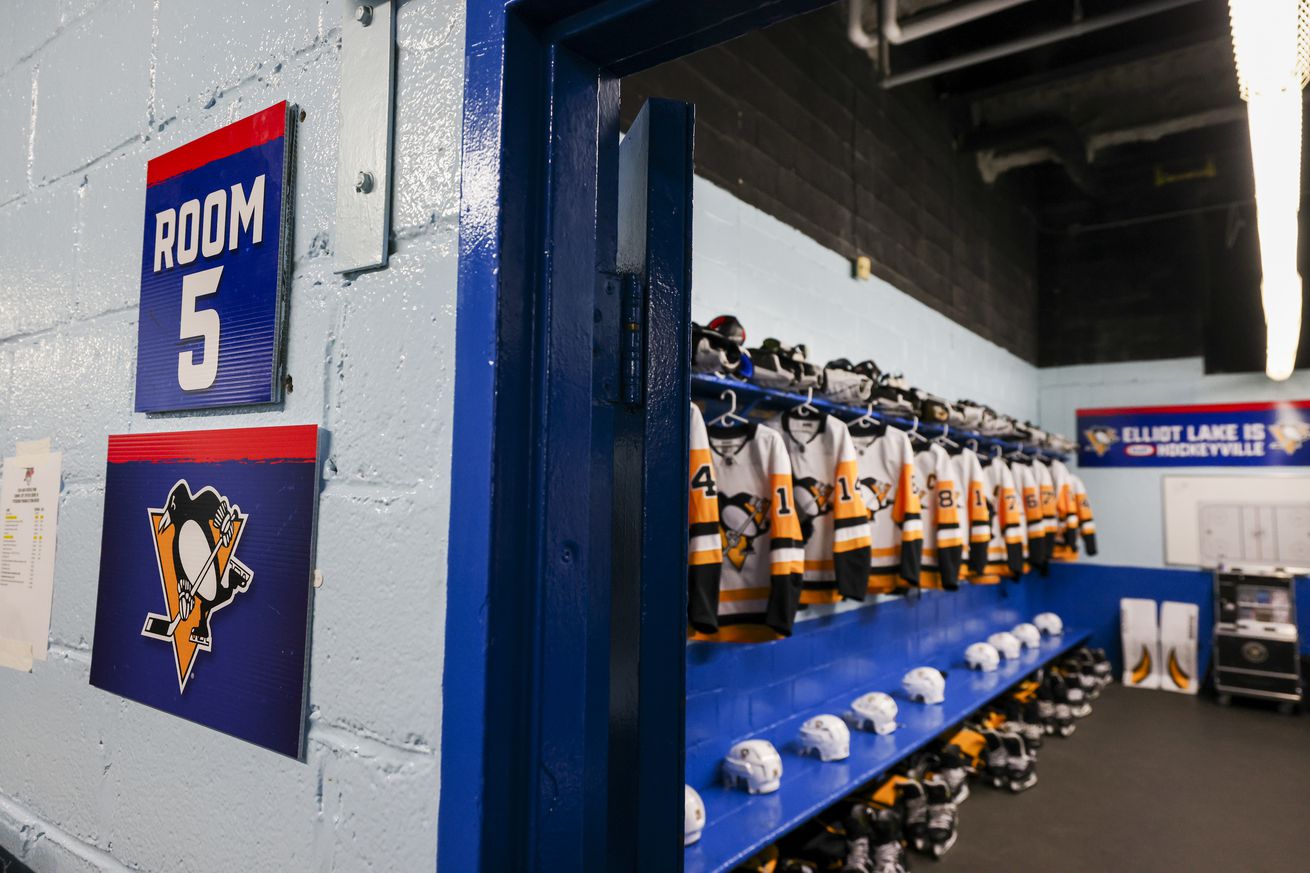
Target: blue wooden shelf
[739, 824]
[750, 395]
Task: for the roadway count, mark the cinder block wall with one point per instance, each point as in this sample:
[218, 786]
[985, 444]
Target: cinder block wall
[791, 120]
[89, 91]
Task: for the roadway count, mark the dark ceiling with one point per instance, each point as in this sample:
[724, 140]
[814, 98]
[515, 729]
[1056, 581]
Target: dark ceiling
[1129, 144]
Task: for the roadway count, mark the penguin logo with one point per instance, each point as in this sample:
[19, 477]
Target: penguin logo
[813, 499]
[742, 517]
[28, 472]
[1100, 438]
[195, 538]
[1289, 436]
[877, 495]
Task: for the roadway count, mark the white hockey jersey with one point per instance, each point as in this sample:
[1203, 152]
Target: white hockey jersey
[833, 519]
[704, 542]
[973, 486]
[1036, 541]
[939, 500]
[1066, 514]
[1046, 492]
[1086, 524]
[759, 591]
[1005, 550]
[884, 462]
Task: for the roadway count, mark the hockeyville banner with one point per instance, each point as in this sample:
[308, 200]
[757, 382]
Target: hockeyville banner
[1214, 435]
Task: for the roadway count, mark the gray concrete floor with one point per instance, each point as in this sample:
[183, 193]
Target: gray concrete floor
[1151, 782]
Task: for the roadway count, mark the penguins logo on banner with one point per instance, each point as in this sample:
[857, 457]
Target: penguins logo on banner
[196, 537]
[1099, 439]
[1289, 435]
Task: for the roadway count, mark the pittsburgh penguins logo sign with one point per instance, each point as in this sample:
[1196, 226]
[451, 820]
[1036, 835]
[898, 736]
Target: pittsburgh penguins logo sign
[196, 536]
[1100, 439]
[1289, 436]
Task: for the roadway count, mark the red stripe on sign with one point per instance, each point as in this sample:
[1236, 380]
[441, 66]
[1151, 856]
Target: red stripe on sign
[296, 443]
[238, 136]
[1206, 407]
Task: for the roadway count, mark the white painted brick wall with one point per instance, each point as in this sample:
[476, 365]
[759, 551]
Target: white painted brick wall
[89, 91]
[781, 283]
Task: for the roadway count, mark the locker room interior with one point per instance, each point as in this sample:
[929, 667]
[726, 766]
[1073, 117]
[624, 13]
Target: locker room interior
[886, 418]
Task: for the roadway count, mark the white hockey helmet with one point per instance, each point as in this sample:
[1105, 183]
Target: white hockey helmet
[925, 685]
[1048, 623]
[1028, 635]
[1006, 643]
[875, 712]
[753, 765]
[693, 815]
[827, 737]
[982, 656]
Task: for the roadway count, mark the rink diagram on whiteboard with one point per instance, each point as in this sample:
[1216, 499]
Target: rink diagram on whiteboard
[1228, 521]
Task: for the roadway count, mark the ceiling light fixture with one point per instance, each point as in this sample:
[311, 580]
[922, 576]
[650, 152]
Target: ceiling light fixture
[1271, 44]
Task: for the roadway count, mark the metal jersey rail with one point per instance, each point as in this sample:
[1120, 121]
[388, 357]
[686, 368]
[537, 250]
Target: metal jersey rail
[751, 396]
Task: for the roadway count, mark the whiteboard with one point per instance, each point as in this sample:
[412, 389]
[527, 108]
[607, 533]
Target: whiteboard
[1237, 521]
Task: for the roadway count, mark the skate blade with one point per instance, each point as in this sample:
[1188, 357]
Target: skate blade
[1023, 785]
[939, 849]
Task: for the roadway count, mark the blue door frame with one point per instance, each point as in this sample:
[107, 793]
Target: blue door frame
[526, 770]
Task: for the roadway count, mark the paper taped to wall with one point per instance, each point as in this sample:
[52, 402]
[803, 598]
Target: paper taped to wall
[29, 518]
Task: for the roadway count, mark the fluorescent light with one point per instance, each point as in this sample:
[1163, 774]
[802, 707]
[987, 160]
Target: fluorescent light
[1271, 44]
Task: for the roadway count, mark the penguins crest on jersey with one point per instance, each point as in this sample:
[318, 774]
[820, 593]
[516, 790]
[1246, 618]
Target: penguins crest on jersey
[745, 518]
[877, 496]
[196, 535]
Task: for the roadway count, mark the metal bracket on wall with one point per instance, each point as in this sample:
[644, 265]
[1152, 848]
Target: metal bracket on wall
[368, 89]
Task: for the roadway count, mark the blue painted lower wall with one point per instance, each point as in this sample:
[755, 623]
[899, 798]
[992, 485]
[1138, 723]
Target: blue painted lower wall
[1088, 595]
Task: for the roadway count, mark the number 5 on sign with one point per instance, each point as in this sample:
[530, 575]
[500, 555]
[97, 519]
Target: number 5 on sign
[199, 324]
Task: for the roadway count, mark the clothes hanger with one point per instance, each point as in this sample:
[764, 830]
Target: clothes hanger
[913, 432]
[806, 407]
[729, 418]
[945, 438]
[867, 419]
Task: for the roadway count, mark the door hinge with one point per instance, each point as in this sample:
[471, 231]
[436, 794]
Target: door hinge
[632, 340]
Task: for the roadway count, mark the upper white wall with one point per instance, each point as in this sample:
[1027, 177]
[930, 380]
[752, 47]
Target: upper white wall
[1127, 502]
[89, 91]
[781, 283]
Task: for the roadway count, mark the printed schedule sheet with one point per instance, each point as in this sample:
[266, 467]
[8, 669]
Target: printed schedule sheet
[29, 512]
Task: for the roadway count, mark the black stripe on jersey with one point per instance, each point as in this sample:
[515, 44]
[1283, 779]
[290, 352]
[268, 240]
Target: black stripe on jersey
[884, 571]
[819, 585]
[703, 529]
[786, 543]
[741, 618]
[839, 523]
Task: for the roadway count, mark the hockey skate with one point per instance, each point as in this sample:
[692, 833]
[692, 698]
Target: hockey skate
[913, 804]
[887, 849]
[1020, 766]
[859, 839]
[1063, 719]
[951, 769]
[942, 817]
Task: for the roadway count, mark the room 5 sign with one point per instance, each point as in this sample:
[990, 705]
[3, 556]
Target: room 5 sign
[215, 267]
